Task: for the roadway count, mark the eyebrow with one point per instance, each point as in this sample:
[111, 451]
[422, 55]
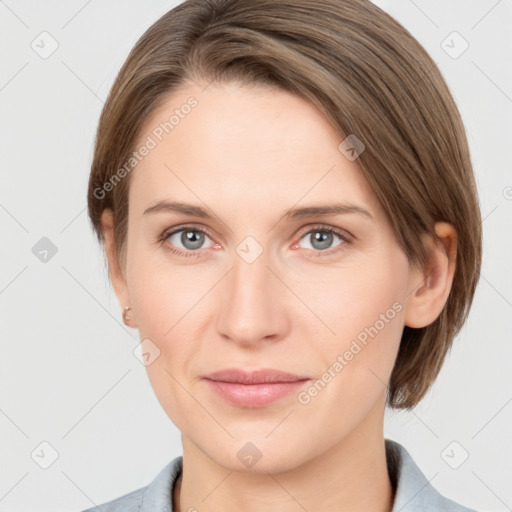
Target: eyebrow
[295, 213]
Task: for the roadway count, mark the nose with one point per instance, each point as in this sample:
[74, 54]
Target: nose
[253, 304]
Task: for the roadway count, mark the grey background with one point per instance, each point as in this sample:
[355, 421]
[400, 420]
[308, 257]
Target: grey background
[68, 372]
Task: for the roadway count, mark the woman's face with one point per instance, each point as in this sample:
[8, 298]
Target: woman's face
[266, 286]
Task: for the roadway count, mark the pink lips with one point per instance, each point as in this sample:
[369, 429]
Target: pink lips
[253, 389]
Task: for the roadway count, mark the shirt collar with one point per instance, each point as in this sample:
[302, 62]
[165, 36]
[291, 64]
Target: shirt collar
[413, 491]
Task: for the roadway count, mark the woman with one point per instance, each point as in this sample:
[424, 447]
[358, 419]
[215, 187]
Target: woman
[289, 213]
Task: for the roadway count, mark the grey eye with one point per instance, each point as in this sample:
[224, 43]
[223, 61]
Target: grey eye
[321, 239]
[191, 239]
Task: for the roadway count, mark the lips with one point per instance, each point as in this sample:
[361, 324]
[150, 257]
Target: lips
[254, 389]
[263, 376]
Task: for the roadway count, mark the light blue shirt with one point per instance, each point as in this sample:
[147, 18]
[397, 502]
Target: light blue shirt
[414, 493]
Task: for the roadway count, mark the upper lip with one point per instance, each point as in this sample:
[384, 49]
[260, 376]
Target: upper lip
[265, 375]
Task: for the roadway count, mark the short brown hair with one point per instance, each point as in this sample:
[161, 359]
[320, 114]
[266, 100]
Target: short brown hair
[368, 76]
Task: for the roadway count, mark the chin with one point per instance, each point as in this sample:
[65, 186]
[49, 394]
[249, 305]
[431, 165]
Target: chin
[259, 456]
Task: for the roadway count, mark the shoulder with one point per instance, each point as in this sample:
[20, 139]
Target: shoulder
[413, 491]
[154, 497]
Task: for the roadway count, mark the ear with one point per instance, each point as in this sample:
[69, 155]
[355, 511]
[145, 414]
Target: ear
[431, 286]
[116, 273]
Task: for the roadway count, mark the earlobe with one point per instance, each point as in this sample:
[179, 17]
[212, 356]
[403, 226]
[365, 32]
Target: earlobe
[430, 287]
[116, 273]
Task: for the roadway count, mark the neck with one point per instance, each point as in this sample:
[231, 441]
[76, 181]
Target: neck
[350, 476]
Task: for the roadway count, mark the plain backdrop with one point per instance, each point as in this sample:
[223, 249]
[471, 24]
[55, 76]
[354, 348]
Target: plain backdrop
[74, 397]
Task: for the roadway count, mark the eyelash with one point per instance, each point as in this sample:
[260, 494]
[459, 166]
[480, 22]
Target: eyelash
[346, 240]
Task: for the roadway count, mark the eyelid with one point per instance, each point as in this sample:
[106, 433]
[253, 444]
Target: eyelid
[181, 227]
[347, 239]
[176, 229]
[342, 233]
[176, 250]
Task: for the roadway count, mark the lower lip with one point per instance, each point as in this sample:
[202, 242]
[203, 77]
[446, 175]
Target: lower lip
[254, 395]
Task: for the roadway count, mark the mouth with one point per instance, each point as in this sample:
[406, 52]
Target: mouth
[253, 389]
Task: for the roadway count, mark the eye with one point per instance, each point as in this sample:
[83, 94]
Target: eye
[185, 241]
[189, 240]
[321, 239]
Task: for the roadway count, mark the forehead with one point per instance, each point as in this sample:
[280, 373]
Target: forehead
[249, 145]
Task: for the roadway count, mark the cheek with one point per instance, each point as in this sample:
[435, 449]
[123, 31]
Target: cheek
[163, 294]
[363, 308]
[353, 367]
[361, 301]
[167, 302]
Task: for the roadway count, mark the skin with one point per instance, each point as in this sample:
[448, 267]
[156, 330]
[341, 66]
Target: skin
[249, 154]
